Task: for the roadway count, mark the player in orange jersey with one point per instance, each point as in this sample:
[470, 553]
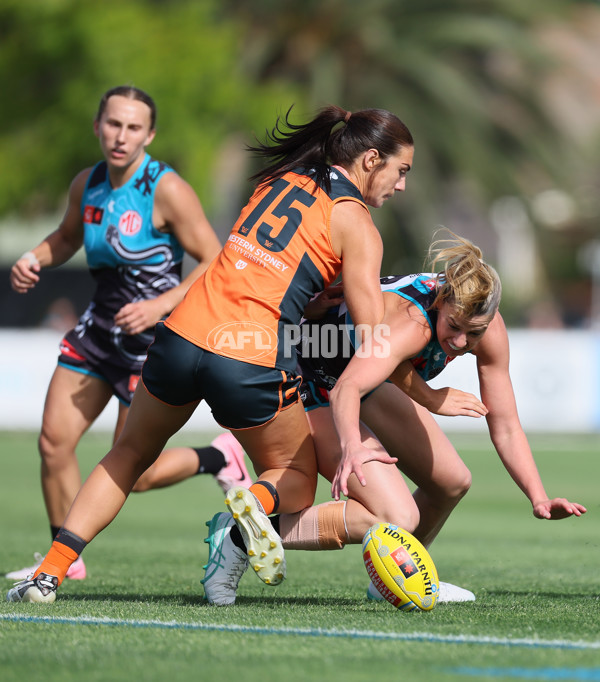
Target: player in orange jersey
[380, 400]
[229, 341]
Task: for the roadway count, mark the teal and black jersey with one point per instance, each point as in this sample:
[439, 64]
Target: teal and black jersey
[421, 289]
[128, 257]
[327, 345]
[130, 260]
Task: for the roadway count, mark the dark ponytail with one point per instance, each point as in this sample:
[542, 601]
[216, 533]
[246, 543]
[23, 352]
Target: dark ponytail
[319, 144]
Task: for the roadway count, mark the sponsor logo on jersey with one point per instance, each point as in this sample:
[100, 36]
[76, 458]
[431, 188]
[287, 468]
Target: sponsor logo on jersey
[92, 215]
[130, 223]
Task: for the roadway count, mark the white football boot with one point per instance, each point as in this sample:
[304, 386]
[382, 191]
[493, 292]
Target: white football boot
[226, 562]
[448, 593]
[263, 545]
[41, 589]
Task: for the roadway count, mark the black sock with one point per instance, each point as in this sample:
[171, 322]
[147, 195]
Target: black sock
[237, 539]
[211, 460]
[53, 531]
[71, 540]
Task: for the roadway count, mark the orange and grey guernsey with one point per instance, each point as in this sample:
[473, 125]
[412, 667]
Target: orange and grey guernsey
[278, 255]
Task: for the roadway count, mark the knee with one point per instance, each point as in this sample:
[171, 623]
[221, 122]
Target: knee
[453, 490]
[304, 497]
[307, 498]
[407, 518]
[460, 486]
[144, 483]
[405, 515]
[296, 492]
[46, 447]
[53, 450]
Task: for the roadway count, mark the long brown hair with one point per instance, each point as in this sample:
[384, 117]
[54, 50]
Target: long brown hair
[317, 144]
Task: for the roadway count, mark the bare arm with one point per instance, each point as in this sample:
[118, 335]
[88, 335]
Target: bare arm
[505, 428]
[178, 209]
[406, 332]
[447, 401]
[58, 247]
[356, 239]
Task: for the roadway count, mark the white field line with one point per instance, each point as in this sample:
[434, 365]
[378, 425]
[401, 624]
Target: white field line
[309, 632]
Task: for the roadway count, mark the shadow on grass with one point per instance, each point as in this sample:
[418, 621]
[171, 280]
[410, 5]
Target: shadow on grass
[198, 600]
[520, 594]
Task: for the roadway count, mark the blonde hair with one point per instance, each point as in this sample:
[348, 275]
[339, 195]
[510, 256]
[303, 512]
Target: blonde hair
[467, 282]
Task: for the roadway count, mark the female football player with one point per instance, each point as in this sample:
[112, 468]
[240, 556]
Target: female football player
[306, 223]
[370, 407]
[135, 218]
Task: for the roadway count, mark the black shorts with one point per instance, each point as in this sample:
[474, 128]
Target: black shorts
[121, 378]
[240, 395]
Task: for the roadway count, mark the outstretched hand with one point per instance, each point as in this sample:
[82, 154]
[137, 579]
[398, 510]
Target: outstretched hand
[450, 402]
[351, 463]
[558, 508]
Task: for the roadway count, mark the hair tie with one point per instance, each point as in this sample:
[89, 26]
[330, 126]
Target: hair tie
[347, 116]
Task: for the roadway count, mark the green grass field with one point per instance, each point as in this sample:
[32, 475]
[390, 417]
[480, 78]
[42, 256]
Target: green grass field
[140, 614]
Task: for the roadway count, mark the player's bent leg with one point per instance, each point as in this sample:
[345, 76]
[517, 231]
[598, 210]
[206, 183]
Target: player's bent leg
[424, 454]
[283, 454]
[385, 498]
[172, 466]
[177, 464]
[439, 492]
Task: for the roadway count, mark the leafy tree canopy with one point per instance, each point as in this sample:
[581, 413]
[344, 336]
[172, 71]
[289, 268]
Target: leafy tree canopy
[57, 57]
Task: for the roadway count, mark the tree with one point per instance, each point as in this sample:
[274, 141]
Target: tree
[464, 75]
[57, 58]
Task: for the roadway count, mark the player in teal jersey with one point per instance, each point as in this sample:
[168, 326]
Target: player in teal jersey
[370, 412]
[135, 218]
